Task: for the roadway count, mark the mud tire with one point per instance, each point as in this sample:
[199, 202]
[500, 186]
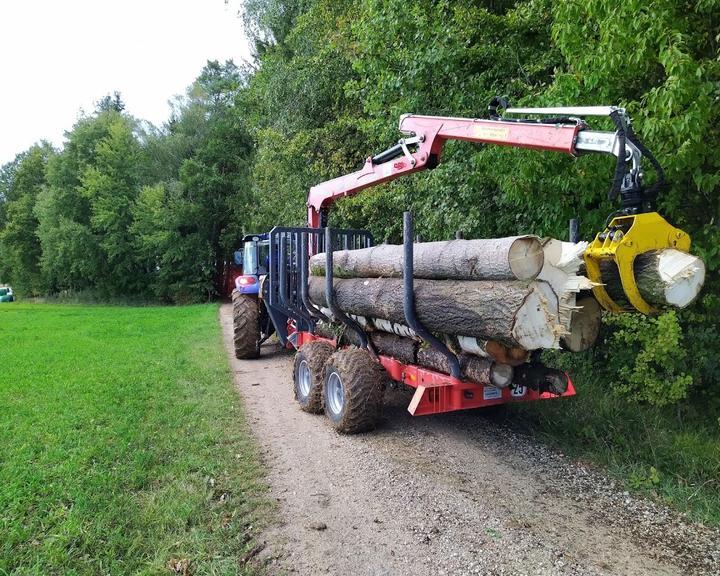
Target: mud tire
[312, 357]
[246, 326]
[362, 380]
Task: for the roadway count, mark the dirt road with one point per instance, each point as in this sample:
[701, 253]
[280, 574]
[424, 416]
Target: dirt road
[452, 494]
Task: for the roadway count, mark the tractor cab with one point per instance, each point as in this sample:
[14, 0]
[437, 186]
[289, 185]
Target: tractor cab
[254, 259]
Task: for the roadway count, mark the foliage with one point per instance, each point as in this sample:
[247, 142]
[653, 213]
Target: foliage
[118, 445]
[649, 358]
[388, 58]
[126, 208]
[20, 249]
[129, 210]
[329, 89]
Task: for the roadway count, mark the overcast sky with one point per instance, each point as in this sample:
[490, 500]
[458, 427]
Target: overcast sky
[58, 56]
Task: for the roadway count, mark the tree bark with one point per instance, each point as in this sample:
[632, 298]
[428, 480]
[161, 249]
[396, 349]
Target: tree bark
[408, 351]
[665, 278]
[516, 314]
[514, 258]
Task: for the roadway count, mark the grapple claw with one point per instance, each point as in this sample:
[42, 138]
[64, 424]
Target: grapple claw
[625, 238]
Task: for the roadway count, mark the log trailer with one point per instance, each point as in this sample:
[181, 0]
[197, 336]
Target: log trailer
[348, 382]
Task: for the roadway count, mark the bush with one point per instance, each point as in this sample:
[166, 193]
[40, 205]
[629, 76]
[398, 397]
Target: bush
[649, 357]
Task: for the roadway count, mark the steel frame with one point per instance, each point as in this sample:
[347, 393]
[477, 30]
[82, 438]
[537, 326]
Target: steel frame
[436, 392]
[430, 133]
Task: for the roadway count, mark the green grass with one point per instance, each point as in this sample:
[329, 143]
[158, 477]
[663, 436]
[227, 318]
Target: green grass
[672, 454]
[122, 443]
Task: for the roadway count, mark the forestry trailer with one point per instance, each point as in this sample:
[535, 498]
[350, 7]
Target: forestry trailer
[346, 355]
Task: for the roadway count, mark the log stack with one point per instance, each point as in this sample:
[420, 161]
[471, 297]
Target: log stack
[493, 301]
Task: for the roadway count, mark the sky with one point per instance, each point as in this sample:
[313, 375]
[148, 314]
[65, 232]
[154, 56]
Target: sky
[60, 56]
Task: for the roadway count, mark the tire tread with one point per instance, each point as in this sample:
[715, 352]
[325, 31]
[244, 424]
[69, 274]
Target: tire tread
[316, 353]
[246, 326]
[364, 386]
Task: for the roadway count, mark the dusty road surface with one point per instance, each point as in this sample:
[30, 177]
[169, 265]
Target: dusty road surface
[453, 494]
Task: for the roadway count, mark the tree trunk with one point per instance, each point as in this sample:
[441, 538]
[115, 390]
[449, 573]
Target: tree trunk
[516, 314]
[514, 258]
[665, 278]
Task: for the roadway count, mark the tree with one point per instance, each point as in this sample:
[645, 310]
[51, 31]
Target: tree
[110, 102]
[19, 246]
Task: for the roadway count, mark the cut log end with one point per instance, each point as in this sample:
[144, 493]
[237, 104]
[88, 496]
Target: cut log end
[536, 320]
[683, 276]
[501, 375]
[584, 325]
[526, 257]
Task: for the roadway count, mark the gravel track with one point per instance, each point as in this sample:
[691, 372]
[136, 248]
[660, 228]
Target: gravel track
[451, 494]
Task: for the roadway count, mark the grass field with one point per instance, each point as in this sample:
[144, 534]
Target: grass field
[122, 445]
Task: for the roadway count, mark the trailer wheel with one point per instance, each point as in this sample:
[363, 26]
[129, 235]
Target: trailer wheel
[308, 375]
[246, 326]
[353, 389]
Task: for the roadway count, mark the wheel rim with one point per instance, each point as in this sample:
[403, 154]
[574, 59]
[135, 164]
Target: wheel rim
[304, 378]
[335, 394]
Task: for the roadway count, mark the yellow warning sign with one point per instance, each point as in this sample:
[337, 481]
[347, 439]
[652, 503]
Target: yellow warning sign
[491, 132]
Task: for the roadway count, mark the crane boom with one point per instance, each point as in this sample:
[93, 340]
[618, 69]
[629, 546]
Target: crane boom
[426, 136]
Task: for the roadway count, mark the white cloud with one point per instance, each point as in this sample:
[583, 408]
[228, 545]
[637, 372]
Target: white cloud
[57, 57]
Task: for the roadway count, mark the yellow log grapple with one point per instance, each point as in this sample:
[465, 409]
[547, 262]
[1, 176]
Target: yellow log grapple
[622, 240]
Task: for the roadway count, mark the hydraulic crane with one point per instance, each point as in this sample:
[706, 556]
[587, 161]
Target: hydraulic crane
[633, 229]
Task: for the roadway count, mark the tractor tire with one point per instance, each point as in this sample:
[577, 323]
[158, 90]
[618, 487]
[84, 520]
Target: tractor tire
[353, 389]
[246, 326]
[308, 375]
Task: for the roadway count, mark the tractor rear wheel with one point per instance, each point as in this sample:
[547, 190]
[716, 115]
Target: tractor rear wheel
[246, 326]
[308, 375]
[353, 389]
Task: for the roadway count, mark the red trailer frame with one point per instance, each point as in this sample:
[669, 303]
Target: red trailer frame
[436, 392]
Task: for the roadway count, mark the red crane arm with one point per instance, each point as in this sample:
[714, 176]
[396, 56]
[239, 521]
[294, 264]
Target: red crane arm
[433, 132]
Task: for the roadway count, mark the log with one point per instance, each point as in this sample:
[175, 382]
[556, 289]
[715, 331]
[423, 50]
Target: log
[496, 351]
[665, 278]
[404, 349]
[473, 368]
[542, 378]
[561, 270]
[479, 370]
[584, 325]
[488, 349]
[513, 258]
[516, 314]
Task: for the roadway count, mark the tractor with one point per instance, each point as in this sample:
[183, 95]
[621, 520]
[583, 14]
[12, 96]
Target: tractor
[251, 323]
[347, 382]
